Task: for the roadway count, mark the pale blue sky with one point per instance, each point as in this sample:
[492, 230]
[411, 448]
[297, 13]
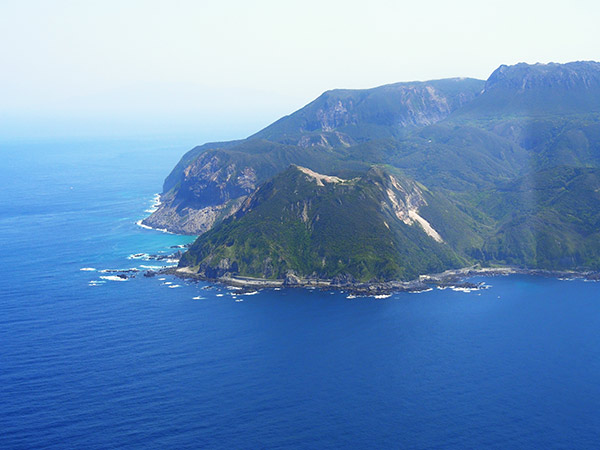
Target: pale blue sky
[226, 68]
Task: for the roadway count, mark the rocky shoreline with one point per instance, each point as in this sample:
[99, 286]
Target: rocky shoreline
[454, 279]
[450, 279]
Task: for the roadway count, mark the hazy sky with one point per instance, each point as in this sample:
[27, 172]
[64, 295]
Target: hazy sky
[226, 68]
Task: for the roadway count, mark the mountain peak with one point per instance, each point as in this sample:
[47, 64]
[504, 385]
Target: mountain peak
[523, 76]
[534, 90]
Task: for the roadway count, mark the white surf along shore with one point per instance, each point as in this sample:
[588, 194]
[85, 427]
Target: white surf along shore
[156, 202]
[450, 279]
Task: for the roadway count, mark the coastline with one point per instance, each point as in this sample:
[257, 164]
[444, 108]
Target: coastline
[156, 203]
[448, 279]
[140, 223]
[455, 279]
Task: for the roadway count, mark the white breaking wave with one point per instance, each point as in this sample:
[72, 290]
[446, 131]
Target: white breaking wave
[198, 298]
[113, 278]
[144, 256]
[155, 204]
[87, 269]
[420, 292]
[140, 224]
[174, 286]
[131, 269]
[462, 289]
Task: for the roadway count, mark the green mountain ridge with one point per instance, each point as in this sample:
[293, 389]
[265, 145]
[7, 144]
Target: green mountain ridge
[384, 111]
[484, 156]
[367, 228]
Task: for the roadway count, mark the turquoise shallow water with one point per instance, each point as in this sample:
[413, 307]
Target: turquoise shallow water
[140, 364]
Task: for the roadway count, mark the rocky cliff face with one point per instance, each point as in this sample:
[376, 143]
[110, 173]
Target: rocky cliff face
[210, 190]
[189, 220]
[210, 181]
[405, 201]
[522, 77]
[382, 111]
[422, 105]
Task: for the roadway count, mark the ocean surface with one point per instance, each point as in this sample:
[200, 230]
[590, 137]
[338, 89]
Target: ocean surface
[90, 362]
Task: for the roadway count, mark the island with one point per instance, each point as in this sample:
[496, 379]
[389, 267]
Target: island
[380, 188]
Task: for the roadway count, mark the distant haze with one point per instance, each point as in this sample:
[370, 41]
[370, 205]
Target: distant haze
[221, 70]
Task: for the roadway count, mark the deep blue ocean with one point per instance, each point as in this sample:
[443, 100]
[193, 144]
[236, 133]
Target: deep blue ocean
[87, 362]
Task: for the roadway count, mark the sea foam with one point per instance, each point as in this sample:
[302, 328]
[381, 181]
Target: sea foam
[144, 256]
[140, 224]
[113, 278]
[155, 204]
